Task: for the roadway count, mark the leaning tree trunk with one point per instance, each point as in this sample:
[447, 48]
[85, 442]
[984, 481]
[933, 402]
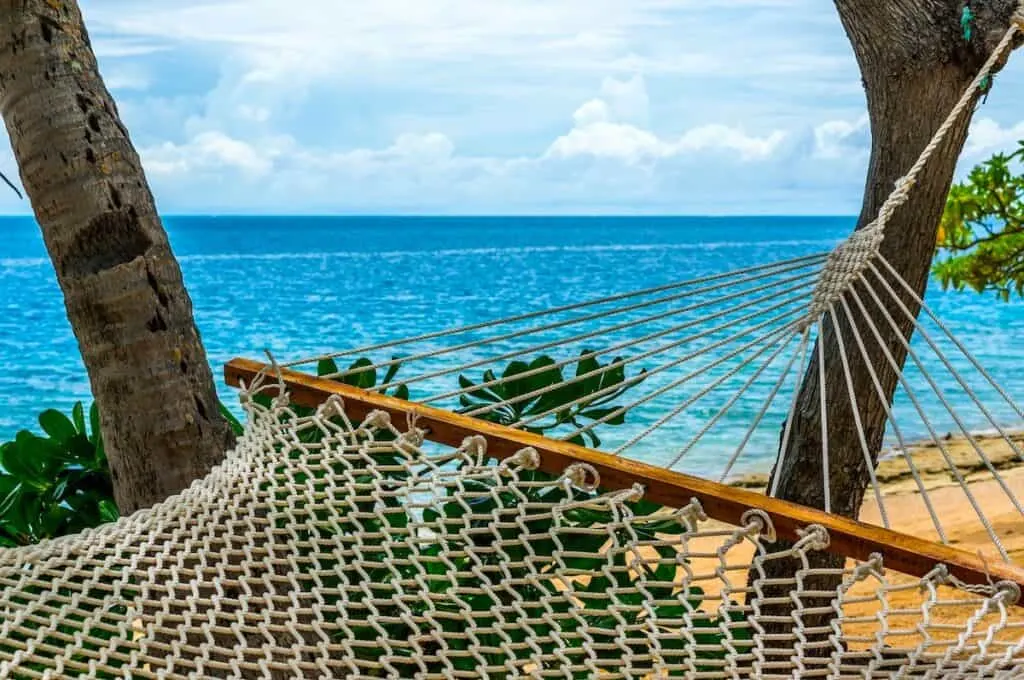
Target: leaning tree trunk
[915, 64]
[122, 287]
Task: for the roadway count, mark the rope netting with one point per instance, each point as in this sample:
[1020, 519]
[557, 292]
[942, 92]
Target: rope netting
[324, 547]
[330, 545]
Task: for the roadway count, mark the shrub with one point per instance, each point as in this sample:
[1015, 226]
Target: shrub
[60, 484]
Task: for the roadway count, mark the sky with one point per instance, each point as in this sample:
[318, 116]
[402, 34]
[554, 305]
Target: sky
[497, 107]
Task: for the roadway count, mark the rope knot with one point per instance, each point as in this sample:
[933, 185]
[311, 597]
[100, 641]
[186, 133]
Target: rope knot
[866, 569]
[691, 514]
[525, 459]
[845, 265]
[582, 476]
[377, 420]
[631, 495]
[334, 407]
[409, 442]
[475, 446]
[757, 521]
[813, 537]
[1008, 591]
[939, 576]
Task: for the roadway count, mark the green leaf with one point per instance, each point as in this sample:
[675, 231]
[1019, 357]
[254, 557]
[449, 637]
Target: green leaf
[108, 511]
[588, 364]
[544, 378]
[96, 432]
[481, 393]
[392, 370]
[28, 458]
[78, 416]
[57, 425]
[233, 422]
[326, 367]
[364, 379]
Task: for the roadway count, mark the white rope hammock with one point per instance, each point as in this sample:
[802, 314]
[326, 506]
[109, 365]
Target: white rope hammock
[341, 542]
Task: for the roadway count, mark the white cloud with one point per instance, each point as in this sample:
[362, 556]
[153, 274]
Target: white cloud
[601, 129]
[842, 138]
[461, 106]
[212, 150]
[988, 136]
[629, 167]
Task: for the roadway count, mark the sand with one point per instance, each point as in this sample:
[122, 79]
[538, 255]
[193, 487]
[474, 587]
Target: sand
[908, 513]
[905, 503]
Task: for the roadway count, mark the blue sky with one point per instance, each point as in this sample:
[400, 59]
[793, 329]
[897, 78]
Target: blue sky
[504, 106]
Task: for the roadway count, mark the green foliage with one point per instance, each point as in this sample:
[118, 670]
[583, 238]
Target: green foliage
[57, 483]
[604, 576]
[981, 238]
[60, 484]
[543, 390]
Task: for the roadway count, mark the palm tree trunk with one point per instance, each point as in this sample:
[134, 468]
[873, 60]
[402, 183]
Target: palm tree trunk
[122, 287]
[915, 64]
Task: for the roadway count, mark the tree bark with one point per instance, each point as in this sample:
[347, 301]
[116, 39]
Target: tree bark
[122, 287]
[915, 64]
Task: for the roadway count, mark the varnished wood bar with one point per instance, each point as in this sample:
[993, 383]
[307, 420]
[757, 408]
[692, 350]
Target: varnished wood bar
[901, 552]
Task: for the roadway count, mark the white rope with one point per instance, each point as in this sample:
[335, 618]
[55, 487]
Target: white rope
[769, 400]
[788, 427]
[986, 461]
[767, 344]
[632, 342]
[795, 300]
[816, 257]
[852, 257]
[869, 464]
[826, 478]
[953, 468]
[680, 381]
[978, 366]
[884, 401]
[532, 330]
[902, 192]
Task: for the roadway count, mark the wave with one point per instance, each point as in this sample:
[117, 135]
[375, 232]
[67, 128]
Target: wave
[517, 250]
[26, 262]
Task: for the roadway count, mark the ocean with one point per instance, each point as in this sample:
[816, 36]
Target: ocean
[300, 286]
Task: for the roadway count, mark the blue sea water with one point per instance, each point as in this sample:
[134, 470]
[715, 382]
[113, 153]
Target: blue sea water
[304, 285]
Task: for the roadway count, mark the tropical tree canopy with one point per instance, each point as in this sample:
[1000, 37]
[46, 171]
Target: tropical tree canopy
[981, 240]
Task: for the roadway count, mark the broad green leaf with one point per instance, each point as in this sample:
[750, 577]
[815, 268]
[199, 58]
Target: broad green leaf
[57, 425]
[326, 367]
[364, 379]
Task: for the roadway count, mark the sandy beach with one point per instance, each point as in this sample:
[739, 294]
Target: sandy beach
[956, 505]
[957, 510]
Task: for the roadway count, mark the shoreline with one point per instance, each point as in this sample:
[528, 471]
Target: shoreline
[894, 474]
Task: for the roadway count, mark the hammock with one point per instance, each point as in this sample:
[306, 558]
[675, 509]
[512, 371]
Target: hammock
[406, 528]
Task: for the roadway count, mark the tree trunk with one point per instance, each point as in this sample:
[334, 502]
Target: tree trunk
[915, 64]
[122, 287]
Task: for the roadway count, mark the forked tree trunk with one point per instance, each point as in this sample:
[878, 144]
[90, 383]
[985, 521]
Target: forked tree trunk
[122, 287]
[915, 65]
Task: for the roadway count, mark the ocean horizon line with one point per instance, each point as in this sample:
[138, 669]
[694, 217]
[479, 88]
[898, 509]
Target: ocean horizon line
[479, 216]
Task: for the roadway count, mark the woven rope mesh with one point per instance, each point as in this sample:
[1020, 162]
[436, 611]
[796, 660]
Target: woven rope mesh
[325, 548]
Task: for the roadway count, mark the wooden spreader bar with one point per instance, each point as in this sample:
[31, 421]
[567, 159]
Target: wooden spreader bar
[848, 538]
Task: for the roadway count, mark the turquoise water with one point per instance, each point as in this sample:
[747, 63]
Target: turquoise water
[300, 286]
